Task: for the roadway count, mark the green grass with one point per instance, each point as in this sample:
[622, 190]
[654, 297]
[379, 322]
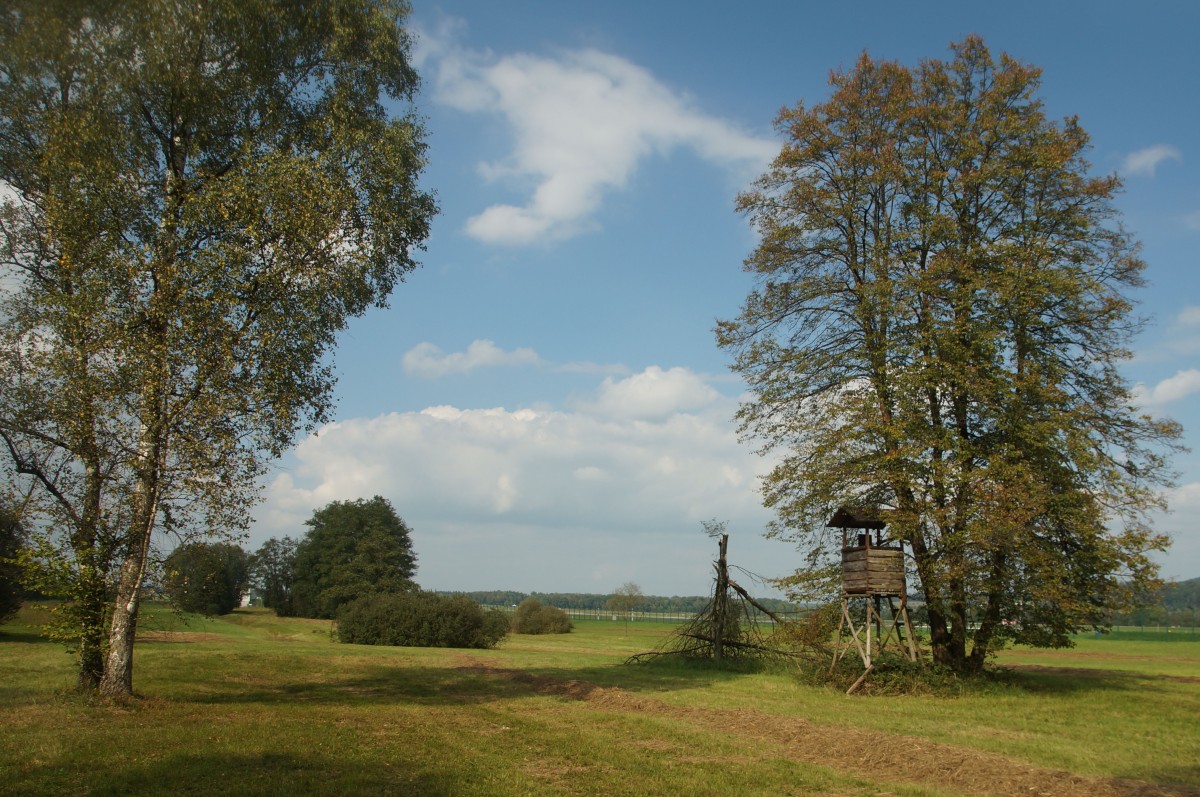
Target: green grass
[256, 705]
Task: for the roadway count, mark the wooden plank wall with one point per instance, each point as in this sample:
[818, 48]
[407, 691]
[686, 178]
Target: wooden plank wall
[873, 571]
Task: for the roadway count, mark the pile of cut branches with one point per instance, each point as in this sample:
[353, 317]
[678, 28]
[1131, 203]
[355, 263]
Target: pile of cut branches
[732, 626]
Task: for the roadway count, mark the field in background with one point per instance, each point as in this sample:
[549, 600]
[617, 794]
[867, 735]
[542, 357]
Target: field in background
[255, 705]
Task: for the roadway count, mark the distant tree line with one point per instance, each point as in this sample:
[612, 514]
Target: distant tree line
[1175, 604]
[592, 601]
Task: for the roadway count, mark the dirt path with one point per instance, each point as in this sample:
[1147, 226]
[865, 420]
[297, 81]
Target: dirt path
[861, 752]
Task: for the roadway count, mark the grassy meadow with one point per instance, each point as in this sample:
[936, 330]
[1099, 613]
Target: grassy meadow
[250, 704]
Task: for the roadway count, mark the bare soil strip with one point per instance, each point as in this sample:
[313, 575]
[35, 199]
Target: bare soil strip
[178, 636]
[864, 753]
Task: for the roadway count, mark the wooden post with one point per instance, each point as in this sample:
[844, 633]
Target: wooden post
[720, 600]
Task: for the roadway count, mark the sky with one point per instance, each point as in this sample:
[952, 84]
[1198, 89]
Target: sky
[543, 402]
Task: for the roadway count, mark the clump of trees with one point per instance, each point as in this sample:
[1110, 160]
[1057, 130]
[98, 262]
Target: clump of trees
[419, 619]
[355, 564]
[198, 196]
[207, 578]
[941, 313]
[351, 548]
[534, 617]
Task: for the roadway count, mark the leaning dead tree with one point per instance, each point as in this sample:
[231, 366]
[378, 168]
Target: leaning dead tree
[732, 625]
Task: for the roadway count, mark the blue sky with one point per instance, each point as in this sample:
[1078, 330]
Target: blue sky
[543, 402]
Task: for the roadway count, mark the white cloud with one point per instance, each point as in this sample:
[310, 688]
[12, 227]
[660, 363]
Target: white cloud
[1144, 162]
[1189, 316]
[1182, 384]
[581, 122]
[547, 500]
[654, 394]
[429, 361]
[1192, 221]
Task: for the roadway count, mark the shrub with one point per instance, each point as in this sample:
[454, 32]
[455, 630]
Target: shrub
[532, 617]
[419, 619]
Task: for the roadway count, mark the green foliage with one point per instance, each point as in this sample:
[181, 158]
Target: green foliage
[937, 330]
[419, 619]
[272, 572]
[12, 541]
[351, 548]
[206, 578]
[203, 195]
[534, 617]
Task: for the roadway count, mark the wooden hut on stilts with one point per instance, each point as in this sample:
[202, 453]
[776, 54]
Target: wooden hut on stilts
[872, 571]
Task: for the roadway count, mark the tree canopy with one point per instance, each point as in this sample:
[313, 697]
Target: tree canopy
[12, 541]
[207, 578]
[941, 312]
[272, 572]
[351, 549]
[197, 198]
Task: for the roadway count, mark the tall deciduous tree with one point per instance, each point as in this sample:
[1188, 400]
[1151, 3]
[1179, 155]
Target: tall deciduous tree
[352, 548]
[202, 195]
[941, 312]
[272, 572]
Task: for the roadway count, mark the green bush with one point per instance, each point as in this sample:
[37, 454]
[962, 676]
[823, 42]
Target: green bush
[532, 617]
[419, 619]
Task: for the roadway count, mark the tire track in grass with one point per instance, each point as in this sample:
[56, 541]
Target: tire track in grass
[867, 754]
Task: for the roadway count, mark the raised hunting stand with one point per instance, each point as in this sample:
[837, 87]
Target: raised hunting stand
[870, 573]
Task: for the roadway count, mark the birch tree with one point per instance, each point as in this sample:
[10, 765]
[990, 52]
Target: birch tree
[200, 196]
[942, 309]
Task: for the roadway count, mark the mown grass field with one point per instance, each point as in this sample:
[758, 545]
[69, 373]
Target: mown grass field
[254, 705]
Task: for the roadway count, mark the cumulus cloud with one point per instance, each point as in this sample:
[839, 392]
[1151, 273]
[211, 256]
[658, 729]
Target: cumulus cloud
[1144, 162]
[1182, 384]
[430, 362]
[638, 465]
[581, 121]
[1189, 317]
[654, 394]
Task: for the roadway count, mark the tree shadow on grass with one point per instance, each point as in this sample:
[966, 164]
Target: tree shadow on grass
[1066, 680]
[251, 775]
[471, 683]
[28, 637]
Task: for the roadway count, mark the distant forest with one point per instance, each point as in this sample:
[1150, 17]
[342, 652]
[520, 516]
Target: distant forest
[576, 600]
[1182, 595]
[1175, 604]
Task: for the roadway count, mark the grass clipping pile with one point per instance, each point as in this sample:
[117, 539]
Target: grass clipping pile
[735, 627]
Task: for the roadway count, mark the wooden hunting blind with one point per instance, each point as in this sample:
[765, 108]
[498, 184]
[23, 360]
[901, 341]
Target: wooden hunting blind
[871, 572]
[868, 569]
